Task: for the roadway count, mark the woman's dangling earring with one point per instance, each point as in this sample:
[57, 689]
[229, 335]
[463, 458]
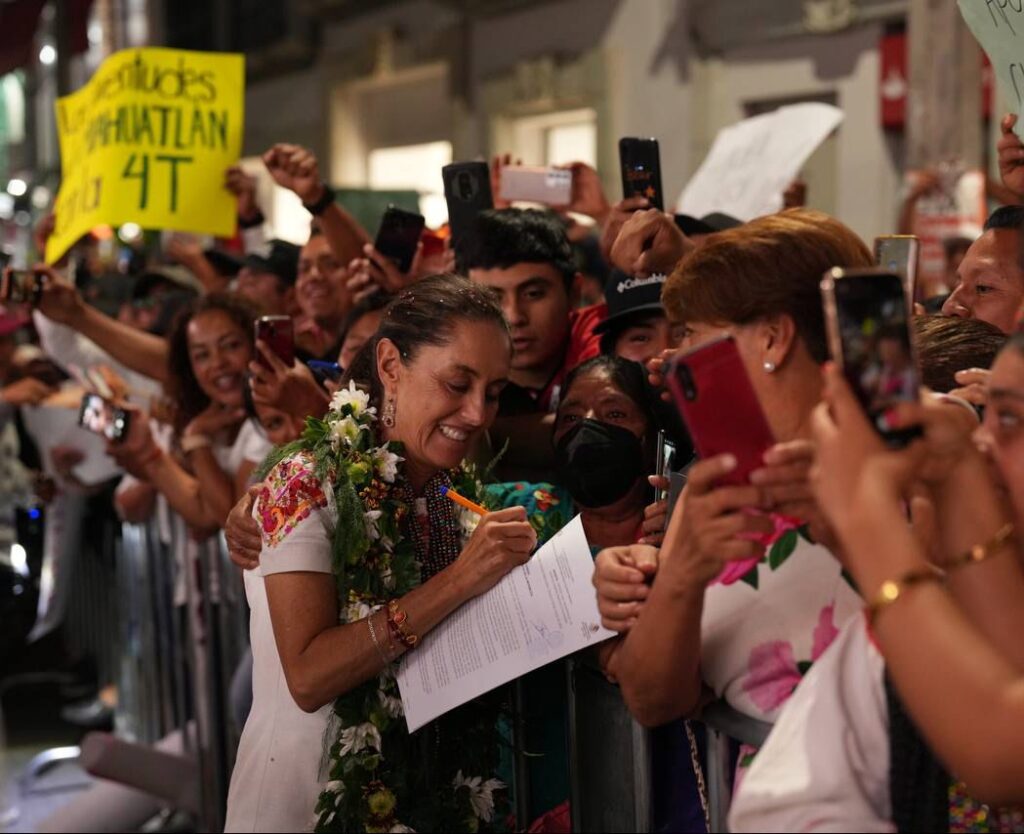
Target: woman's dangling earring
[387, 416]
[769, 367]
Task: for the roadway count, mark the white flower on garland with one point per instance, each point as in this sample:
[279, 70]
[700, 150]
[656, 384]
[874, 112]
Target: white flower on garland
[386, 464]
[344, 430]
[371, 519]
[352, 396]
[358, 610]
[481, 793]
[392, 706]
[398, 828]
[468, 522]
[358, 738]
[337, 787]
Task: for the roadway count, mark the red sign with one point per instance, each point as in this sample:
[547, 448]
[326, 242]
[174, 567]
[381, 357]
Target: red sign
[893, 82]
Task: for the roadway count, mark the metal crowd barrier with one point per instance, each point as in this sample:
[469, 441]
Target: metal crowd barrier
[172, 659]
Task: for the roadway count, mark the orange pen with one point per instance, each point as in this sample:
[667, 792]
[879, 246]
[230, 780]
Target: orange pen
[463, 502]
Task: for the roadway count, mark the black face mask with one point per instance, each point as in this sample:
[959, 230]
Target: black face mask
[598, 463]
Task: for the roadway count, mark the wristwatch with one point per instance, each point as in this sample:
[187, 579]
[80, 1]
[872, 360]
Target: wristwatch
[326, 199]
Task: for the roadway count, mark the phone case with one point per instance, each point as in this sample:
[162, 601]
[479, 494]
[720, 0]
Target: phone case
[467, 190]
[550, 186]
[398, 236]
[831, 290]
[721, 410]
[640, 162]
[900, 253]
[278, 333]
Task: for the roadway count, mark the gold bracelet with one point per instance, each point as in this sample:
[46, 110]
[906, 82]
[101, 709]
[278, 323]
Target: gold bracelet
[894, 589]
[980, 552]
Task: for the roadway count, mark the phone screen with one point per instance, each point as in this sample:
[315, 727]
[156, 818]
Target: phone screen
[899, 253]
[398, 236]
[278, 333]
[19, 286]
[100, 417]
[872, 325]
[641, 170]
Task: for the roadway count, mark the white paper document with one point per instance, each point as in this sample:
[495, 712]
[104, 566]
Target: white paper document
[752, 162]
[540, 612]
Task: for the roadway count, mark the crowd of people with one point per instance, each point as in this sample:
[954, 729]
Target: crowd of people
[858, 596]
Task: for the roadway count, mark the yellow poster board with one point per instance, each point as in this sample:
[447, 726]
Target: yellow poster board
[147, 141]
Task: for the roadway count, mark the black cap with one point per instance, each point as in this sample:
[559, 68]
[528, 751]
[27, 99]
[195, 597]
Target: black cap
[278, 257]
[171, 275]
[627, 295]
[224, 262]
[708, 224]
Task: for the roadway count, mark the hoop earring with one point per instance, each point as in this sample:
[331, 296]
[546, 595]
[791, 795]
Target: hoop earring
[769, 367]
[387, 416]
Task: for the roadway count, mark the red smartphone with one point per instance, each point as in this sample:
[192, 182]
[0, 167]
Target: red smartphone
[279, 335]
[721, 409]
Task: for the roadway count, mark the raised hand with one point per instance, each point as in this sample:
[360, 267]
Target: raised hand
[295, 168]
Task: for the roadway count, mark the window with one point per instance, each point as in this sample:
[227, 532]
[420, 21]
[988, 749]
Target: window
[556, 138]
[415, 167]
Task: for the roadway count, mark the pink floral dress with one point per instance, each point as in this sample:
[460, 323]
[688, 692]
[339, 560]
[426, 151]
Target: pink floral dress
[766, 621]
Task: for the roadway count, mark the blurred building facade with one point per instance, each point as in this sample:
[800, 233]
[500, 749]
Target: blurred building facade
[385, 91]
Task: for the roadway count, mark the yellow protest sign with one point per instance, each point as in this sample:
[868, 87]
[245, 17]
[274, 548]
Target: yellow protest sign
[147, 141]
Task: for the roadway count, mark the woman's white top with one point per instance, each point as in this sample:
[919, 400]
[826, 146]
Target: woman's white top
[278, 778]
[825, 765]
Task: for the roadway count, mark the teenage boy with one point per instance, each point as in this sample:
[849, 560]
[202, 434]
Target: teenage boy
[525, 257]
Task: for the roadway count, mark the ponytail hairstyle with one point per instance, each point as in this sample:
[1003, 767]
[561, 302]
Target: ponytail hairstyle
[425, 314]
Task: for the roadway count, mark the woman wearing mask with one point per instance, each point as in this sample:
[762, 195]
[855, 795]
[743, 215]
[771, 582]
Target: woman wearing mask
[744, 601]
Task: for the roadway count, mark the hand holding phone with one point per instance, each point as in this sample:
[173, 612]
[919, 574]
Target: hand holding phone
[278, 333]
[866, 313]
[20, 286]
[641, 170]
[103, 417]
[398, 236]
[720, 407]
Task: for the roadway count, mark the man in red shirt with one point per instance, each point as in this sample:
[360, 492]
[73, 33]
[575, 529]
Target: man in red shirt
[525, 256]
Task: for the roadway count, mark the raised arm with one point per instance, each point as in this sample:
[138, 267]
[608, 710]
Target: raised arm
[143, 352]
[296, 169]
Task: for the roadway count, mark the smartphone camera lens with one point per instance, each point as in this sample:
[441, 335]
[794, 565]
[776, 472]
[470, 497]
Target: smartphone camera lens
[687, 383]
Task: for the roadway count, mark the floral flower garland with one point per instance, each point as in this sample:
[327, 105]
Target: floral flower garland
[380, 777]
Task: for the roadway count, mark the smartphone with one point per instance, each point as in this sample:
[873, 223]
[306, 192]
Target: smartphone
[720, 407]
[664, 462]
[868, 322]
[279, 335]
[467, 190]
[398, 235]
[550, 186]
[102, 417]
[20, 286]
[899, 253]
[325, 371]
[641, 170]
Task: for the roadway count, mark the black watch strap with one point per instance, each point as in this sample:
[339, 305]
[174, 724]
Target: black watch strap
[251, 223]
[317, 208]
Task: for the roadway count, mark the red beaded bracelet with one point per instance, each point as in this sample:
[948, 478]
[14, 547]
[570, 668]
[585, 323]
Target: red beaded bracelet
[398, 622]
